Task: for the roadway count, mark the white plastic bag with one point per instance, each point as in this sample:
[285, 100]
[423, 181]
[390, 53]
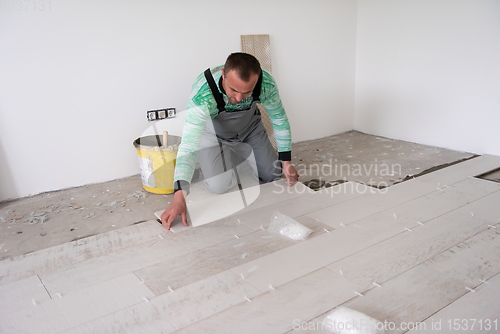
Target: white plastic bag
[288, 227]
[344, 320]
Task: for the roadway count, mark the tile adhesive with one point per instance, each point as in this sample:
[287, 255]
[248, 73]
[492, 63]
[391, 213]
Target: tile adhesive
[157, 156]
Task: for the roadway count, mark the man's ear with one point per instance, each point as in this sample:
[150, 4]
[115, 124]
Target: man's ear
[222, 70]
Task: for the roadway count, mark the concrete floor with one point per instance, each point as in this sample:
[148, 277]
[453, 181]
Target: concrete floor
[41, 221]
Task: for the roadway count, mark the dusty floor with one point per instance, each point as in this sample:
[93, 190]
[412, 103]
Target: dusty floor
[367, 159]
[45, 220]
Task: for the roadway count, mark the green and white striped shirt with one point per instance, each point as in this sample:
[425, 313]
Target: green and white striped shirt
[202, 105]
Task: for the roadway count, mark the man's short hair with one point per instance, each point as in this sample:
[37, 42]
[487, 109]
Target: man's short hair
[244, 64]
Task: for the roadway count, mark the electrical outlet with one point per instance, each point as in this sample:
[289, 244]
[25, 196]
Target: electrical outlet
[151, 115]
[171, 112]
[154, 115]
[162, 114]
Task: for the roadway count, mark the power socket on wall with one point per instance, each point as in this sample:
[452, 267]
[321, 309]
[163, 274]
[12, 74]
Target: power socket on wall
[154, 115]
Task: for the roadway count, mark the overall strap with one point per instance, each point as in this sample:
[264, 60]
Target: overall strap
[221, 105]
[256, 90]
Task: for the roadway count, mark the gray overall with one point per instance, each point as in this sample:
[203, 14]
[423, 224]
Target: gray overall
[234, 140]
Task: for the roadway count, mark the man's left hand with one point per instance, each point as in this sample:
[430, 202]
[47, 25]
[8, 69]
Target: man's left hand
[290, 172]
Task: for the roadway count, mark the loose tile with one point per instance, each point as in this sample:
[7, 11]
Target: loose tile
[176, 226]
[211, 209]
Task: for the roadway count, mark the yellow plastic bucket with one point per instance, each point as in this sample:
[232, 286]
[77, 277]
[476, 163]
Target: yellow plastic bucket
[157, 162]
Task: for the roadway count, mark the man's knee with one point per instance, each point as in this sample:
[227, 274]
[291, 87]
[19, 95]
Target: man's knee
[222, 183]
[271, 172]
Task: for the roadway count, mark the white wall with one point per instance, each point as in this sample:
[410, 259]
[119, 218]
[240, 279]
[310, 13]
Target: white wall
[78, 77]
[428, 71]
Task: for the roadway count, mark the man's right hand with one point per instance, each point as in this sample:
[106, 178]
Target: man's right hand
[176, 208]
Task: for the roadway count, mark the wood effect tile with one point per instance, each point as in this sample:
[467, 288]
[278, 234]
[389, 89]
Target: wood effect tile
[207, 209]
[206, 262]
[75, 308]
[282, 309]
[472, 260]
[290, 263]
[476, 186]
[462, 170]
[480, 305]
[442, 201]
[57, 257]
[21, 294]
[422, 291]
[474, 312]
[130, 259]
[369, 204]
[303, 204]
[389, 258]
[174, 310]
[485, 208]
